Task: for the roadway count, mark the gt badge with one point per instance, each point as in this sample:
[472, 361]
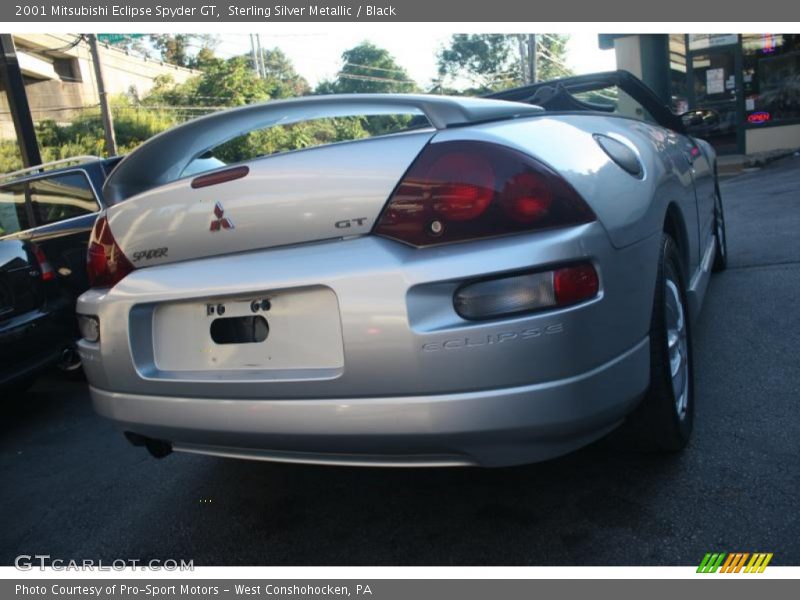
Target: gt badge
[221, 221]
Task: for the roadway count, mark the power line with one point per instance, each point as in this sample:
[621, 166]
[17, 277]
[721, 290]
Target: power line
[376, 79]
[349, 64]
[54, 108]
[78, 39]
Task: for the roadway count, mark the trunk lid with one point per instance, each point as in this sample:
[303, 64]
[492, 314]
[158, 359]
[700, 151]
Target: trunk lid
[320, 193]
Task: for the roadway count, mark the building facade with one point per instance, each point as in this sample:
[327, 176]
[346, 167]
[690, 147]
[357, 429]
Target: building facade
[751, 80]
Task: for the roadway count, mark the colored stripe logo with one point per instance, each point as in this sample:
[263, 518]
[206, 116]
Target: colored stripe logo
[734, 562]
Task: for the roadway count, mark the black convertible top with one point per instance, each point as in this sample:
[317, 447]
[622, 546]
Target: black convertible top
[557, 95]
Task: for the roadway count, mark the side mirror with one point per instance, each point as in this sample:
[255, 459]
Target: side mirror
[700, 120]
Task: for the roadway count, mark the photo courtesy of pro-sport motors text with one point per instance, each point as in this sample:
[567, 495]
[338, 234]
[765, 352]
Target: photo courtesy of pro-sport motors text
[309, 300]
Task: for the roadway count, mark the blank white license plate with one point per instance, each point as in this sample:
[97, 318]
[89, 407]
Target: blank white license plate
[297, 329]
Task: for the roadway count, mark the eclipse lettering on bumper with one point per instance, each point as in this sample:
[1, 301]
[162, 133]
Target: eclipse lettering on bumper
[492, 338]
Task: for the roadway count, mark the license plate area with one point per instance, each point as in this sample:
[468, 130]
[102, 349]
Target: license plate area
[278, 331]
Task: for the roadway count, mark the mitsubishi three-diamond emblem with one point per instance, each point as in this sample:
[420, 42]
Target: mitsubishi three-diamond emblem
[221, 221]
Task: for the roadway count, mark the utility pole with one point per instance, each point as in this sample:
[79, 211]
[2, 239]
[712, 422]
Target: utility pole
[532, 66]
[261, 66]
[18, 102]
[523, 59]
[255, 56]
[105, 109]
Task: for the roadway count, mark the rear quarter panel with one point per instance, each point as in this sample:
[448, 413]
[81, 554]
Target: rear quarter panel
[630, 208]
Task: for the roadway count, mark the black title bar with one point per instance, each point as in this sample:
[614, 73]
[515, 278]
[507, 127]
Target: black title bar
[522, 11]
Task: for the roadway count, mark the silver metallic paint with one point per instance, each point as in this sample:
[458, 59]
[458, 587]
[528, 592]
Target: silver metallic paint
[503, 396]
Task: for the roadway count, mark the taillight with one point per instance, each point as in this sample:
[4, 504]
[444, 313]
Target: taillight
[48, 274]
[520, 293]
[457, 191]
[575, 284]
[89, 326]
[106, 265]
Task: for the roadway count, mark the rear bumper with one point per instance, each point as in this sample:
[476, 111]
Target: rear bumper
[400, 335]
[494, 427]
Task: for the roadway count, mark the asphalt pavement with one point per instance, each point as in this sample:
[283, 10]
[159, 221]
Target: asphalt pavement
[73, 488]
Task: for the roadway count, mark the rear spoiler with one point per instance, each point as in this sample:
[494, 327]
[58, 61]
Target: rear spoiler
[163, 158]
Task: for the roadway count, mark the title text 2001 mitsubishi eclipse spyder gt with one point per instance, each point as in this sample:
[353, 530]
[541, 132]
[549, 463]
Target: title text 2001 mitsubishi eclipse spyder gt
[502, 281]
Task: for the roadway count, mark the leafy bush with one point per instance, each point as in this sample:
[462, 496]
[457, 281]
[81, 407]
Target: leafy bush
[284, 138]
[84, 134]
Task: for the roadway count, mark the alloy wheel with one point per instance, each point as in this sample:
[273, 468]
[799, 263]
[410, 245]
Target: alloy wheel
[677, 346]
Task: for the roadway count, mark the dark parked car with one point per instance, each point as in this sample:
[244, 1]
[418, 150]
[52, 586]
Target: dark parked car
[46, 215]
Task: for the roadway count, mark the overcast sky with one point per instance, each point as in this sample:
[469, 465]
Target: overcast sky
[316, 56]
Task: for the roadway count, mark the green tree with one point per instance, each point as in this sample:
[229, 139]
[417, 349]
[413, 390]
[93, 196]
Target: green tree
[368, 69]
[487, 60]
[222, 83]
[552, 55]
[497, 61]
[204, 58]
[184, 49]
[326, 86]
[174, 49]
[231, 82]
[282, 79]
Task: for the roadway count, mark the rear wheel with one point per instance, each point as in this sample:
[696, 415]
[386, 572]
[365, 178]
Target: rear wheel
[720, 236]
[663, 420]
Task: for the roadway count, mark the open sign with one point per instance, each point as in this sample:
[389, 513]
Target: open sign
[758, 117]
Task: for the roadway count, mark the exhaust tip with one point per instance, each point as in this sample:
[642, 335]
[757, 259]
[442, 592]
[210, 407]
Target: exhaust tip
[156, 448]
[70, 359]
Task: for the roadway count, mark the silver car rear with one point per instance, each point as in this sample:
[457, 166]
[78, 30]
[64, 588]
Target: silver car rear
[340, 346]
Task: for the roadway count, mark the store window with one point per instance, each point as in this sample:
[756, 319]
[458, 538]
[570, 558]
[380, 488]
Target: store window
[678, 88]
[714, 87]
[771, 77]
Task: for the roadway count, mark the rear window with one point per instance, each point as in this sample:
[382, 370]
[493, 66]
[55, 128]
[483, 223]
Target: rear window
[62, 197]
[13, 214]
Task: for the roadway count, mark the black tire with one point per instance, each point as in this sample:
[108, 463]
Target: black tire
[720, 236]
[657, 424]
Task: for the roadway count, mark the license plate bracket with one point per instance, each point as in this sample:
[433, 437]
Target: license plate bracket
[280, 330]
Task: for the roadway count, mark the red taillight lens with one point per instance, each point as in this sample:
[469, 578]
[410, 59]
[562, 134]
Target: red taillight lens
[457, 191]
[48, 274]
[527, 198]
[461, 186]
[106, 265]
[575, 284]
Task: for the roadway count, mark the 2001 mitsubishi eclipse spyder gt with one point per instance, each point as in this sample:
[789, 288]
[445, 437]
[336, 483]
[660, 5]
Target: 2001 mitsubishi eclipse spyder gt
[502, 281]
